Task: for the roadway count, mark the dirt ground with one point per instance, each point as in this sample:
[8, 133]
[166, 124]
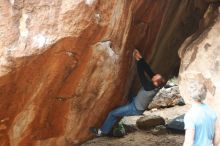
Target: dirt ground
[146, 138]
[139, 138]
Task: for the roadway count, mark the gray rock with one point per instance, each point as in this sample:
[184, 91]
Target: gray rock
[168, 96]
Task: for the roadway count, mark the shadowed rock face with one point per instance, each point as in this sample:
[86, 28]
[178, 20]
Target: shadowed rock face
[65, 64]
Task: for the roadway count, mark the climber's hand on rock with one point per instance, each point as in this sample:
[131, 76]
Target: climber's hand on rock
[157, 80]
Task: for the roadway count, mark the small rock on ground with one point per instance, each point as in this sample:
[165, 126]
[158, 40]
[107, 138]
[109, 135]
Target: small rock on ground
[148, 122]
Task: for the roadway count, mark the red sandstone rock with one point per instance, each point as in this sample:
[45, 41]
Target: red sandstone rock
[65, 64]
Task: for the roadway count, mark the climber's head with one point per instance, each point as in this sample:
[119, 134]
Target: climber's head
[137, 54]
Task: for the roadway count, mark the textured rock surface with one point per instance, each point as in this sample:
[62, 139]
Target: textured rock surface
[200, 58]
[200, 55]
[62, 60]
[168, 96]
[148, 122]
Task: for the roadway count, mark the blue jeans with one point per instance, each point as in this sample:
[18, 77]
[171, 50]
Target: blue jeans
[125, 110]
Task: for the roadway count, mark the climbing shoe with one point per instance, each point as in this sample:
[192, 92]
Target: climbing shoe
[96, 132]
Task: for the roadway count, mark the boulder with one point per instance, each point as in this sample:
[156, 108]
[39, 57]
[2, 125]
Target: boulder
[65, 64]
[176, 125]
[200, 59]
[148, 122]
[168, 96]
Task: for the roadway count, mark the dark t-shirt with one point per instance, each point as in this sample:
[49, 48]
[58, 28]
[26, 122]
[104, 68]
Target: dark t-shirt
[148, 90]
[142, 68]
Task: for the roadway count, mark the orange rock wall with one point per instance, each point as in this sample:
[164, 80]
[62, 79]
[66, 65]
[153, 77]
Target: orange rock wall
[64, 65]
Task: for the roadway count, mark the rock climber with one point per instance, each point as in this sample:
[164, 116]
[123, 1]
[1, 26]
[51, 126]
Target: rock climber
[139, 103]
